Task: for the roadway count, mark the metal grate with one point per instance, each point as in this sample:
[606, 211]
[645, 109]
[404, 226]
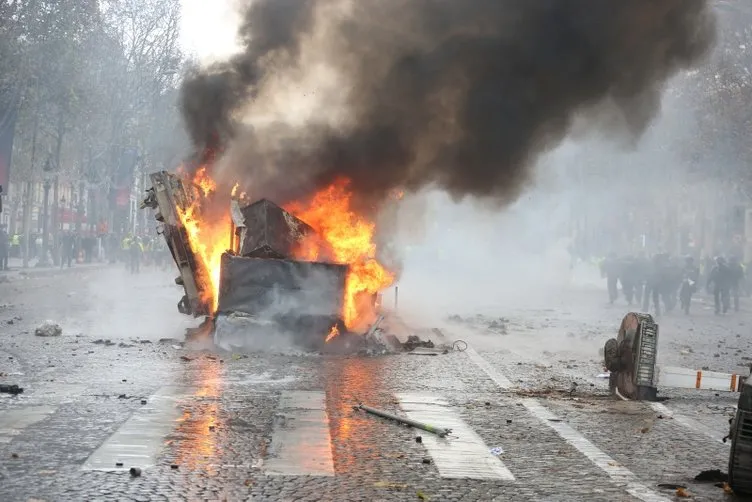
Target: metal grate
[647, 352]
[740, 461]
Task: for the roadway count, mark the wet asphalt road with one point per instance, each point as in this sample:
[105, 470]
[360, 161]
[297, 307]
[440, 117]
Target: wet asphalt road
[118, 388]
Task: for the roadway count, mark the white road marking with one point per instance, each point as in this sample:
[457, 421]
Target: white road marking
[140, 439]
[618, 473]
[12, 422]
[301, 442]
[463, 454]
[494, 375]
[690, 423]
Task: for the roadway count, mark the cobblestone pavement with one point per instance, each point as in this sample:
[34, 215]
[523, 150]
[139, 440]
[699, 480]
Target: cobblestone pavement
[119, 389]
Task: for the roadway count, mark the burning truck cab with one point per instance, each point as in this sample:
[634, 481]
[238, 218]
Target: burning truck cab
[259, 273]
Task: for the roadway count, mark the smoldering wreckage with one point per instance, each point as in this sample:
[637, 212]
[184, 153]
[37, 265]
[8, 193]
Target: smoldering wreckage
[277, 279]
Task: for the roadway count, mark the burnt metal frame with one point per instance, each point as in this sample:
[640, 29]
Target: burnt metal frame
[168, 192]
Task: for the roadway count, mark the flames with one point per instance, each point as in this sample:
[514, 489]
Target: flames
[332, 333]
[346, 238]
[209, 237]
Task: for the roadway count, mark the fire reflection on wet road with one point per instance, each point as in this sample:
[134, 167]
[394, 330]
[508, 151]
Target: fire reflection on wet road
[348, 383]
[196, 442]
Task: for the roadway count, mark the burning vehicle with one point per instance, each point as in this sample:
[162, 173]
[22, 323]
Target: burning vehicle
[308, 271]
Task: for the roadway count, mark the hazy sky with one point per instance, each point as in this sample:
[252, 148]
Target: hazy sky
[208, 27]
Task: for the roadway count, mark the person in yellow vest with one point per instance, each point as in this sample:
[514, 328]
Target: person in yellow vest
[15, 246]
[125, 245]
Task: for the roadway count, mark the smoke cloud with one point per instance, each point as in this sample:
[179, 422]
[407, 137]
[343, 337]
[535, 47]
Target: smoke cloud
[462, 95]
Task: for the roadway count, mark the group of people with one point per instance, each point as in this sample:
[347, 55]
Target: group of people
[664, 279]
[73, 247]
[138, 249]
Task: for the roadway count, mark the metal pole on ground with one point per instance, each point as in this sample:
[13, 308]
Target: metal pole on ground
[439, 431]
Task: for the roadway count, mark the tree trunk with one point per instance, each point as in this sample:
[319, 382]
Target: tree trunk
[56, 190]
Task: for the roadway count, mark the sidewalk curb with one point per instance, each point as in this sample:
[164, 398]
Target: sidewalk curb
[32, 273]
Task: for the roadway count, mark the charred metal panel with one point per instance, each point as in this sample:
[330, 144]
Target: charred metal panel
[277, 289]
[271, 232]
[166, 195]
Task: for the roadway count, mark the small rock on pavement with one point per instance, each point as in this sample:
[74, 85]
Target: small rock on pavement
[135, 472]
[48, 328]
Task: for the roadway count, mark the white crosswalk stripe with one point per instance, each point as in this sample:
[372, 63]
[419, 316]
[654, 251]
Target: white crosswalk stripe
[13, 422]
[301, 441]
[461, 455]
[138, 442]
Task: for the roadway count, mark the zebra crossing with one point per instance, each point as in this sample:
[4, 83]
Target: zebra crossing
[301, 436]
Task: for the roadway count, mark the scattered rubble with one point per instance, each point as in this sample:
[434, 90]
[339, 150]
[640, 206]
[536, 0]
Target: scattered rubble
[48, 328]
[712, 476]
[413, 342]
[498, 325]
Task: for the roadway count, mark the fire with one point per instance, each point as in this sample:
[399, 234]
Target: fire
[208, 239]
[346, 238]
[349, 239]
[334, 332]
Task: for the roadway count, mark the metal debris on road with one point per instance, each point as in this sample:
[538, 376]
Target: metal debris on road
[11, 389]
[439, 431]
[48, 328]
[497, 451]
[712, 476]
[671, 486]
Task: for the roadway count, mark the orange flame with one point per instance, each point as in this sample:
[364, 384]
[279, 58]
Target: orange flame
[208, 239]
[345, 237]
[349, 239]
[334, 332]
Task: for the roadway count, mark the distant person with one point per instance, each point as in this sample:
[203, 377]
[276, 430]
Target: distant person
[720, 278]
[736, 279]
[4, 248]
[690, 276]
[15, 246]
[135, 253]
[656, 283]
[629, 278]
[67, 250]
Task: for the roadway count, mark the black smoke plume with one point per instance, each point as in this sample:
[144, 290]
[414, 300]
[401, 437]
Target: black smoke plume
[462, 94]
